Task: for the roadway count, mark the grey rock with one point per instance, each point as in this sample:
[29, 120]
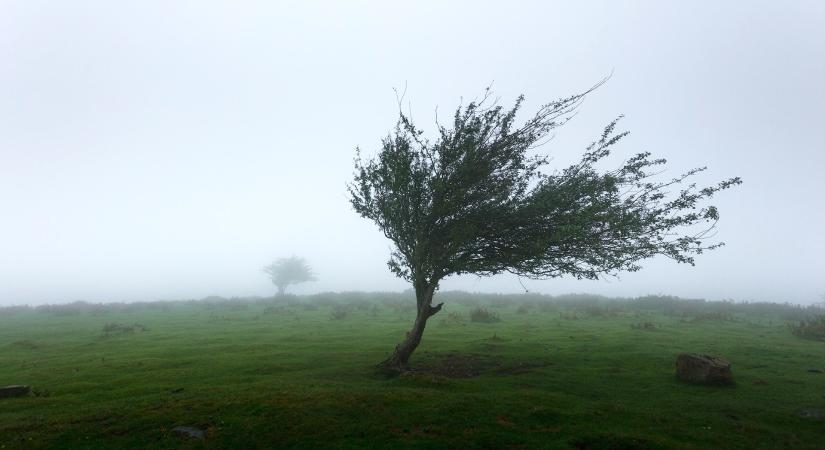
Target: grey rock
[190, 432]
[18, 390]
[811, 413]
[703, 369]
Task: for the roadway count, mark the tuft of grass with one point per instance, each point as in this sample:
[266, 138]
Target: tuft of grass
[646, 325]
[112, 328]
[298, 379]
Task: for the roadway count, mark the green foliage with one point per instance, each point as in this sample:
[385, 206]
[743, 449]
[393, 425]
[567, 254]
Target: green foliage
[811, 328]
[287, 271]
[473, 200]
[715, 316]
[482, 315]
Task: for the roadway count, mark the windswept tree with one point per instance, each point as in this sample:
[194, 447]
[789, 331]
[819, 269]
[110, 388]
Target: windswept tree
[286, 271]
[476, 200]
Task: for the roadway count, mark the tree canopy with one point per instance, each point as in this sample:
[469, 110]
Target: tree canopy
[287, 271]
[478, 199]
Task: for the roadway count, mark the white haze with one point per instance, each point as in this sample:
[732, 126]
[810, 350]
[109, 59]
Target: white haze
[162, 149]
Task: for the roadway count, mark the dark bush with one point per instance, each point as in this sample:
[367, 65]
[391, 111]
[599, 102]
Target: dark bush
[12, 310]
[482, 315]
[118, 328]
[716, 316]
[646, 325]
[68, 309]
[340, 312]
[275, 309]
[523, 309]
[812, 328]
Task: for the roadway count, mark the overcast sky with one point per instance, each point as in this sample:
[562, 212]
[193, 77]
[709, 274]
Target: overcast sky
[170, 149]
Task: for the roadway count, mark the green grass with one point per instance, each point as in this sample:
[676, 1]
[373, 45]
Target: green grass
[294, 377]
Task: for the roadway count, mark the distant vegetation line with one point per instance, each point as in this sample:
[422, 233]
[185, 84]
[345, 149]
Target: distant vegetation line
[669, 305]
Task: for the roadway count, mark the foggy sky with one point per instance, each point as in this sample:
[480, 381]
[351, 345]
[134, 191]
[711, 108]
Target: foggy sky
[162, 149]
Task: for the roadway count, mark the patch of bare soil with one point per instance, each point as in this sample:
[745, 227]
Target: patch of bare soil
[460, 365]
[519, 368]
[457, 365]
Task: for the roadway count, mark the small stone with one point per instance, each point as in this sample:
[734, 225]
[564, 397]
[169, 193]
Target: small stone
[703, 369]
[17, 390]
[191, 432]
[811, 413]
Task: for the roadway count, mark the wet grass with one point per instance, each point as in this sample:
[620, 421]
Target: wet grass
[298, 376]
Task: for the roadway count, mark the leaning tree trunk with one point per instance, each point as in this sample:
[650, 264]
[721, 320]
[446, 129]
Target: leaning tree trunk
[401, 356]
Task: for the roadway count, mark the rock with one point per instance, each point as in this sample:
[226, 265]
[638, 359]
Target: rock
[703, 369]
[811, 413]
[15, 391]
[191, 432]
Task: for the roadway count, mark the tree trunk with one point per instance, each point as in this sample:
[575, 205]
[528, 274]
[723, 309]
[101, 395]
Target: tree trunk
[401, 356]
[281, 290]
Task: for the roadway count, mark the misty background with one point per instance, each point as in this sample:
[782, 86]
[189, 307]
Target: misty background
[162, 150]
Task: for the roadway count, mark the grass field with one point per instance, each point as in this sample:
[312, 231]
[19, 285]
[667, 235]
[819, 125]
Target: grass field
[298, 373]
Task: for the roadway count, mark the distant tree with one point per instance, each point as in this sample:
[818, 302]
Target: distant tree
[473, 200]
[286, 271]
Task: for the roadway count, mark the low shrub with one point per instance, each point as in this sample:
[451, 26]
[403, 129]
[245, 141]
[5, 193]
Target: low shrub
[646, 325]
[568, 315]
[340, 312]
[813, 328]
[15, 309]
[523, 309]
[453, 318]
[120, 328]
[482, 315]
[717, 316]
[275, 309]
[67, 309]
